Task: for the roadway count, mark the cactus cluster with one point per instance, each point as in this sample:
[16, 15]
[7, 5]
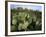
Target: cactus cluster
[25, 20]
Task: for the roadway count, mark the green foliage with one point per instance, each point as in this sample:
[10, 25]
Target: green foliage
[25, 19]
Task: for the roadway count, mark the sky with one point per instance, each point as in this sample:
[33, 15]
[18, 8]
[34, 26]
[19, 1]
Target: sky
[33, 7]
